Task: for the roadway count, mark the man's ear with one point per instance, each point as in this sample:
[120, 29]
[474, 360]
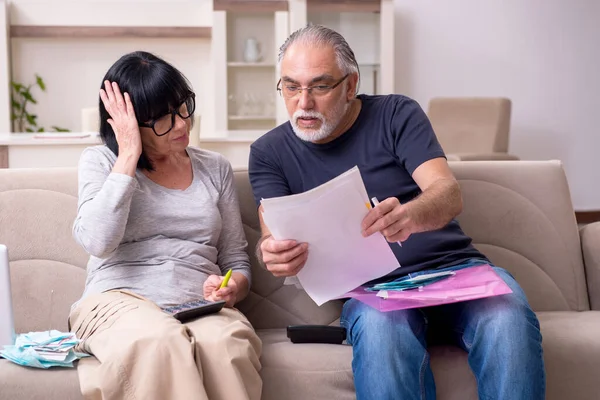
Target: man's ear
[353, 84]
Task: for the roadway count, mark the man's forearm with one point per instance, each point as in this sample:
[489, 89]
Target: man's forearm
[436, 206]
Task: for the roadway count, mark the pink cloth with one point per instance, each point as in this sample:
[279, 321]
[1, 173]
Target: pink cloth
[467, 284]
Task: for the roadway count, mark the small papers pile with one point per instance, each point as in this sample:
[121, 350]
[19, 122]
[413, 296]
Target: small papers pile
[43, 349]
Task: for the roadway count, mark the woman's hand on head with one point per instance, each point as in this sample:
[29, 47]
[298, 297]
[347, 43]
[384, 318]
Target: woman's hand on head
[122, 120]
[212, 291]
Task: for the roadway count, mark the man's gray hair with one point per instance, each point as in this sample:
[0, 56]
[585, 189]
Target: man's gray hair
[318, 35]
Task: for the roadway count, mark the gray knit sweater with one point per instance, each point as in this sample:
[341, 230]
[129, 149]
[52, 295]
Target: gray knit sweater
[157, 242]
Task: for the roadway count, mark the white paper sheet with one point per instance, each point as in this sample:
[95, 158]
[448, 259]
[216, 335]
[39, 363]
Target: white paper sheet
[329, 218]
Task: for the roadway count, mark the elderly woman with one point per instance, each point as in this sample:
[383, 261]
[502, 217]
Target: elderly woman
[162, 225]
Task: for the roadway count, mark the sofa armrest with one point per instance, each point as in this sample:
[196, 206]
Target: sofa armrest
[481, 157]
[590, 246]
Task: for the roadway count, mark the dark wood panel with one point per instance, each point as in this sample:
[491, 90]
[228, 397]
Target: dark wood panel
[38, 31]
[250, 5]
[3, 156]
[587, 217]
[344, 5]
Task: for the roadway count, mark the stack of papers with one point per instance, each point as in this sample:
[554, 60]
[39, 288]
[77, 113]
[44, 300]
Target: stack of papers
[329, 219]
[475, 282]
[43, 349]
[408, 283]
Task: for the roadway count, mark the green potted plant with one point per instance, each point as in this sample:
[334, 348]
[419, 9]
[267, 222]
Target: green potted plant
[23, 120]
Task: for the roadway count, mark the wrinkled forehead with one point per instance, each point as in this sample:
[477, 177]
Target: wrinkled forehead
[303, 63]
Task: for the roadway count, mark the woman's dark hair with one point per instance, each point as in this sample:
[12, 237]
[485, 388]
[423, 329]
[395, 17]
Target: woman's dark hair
[155, 88]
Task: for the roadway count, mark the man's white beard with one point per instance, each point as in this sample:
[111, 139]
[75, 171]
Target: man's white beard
[327, 126]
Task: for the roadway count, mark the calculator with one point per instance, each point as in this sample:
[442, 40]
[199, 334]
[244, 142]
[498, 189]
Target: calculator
[194, 309]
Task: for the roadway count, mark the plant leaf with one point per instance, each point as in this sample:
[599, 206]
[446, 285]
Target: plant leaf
[28, 130]
[41, 129]
[17, 86]
[16, 105]
[40, 82]
[28, 96]
[13, 117]
[59, 129]
[31, 119]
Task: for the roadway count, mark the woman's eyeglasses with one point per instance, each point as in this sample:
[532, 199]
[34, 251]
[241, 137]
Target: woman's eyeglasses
[164, 124]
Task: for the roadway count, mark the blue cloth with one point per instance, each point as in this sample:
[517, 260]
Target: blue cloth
[391, 137]
[501, 335]
[43, 349]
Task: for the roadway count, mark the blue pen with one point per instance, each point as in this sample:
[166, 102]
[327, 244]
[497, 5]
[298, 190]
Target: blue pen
[376, 203]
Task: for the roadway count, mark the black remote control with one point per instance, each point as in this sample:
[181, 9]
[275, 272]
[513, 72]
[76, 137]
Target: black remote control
[194, 309]
[316, 334]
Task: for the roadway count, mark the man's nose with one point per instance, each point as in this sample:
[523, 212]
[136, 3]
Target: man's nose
[306, 101]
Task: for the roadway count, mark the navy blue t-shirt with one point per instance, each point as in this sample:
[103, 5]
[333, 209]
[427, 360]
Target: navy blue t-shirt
[391, 137]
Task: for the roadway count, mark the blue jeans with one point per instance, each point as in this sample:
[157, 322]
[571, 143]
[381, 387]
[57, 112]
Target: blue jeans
[501, 335]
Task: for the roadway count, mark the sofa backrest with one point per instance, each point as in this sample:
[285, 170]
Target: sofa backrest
[37, 210]
[519, 213]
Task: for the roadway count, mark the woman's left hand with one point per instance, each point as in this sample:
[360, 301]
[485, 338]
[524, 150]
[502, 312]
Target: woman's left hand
[212, 291]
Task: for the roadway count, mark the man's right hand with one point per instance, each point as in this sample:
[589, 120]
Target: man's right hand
[283, 257]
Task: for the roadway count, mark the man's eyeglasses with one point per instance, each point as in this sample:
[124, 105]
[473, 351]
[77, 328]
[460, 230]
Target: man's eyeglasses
[164, 124]
[290, 90]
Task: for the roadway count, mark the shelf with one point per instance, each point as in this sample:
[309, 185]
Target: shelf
[250, 5]
[251, 117]
[28, 139]
[241, 64]
[373, 6]
[233, 136]
[39, 31]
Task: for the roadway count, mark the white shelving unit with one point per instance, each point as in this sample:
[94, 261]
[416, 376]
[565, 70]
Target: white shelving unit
[245, 90]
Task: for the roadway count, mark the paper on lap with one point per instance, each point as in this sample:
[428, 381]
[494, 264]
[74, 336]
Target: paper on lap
[329, 219]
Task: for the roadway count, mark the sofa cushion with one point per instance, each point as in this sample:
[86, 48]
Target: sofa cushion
[304, 371]
[572, 354]
[17, 382]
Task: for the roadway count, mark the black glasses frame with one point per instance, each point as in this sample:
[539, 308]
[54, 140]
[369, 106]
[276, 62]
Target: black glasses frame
[191, 96]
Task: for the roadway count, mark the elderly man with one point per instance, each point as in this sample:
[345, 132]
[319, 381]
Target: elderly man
[331, 129]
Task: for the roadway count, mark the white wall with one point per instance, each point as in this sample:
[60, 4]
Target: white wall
[543, 54]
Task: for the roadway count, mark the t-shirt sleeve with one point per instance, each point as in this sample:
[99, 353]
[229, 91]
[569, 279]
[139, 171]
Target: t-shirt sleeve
[266, 176]
[413, 137]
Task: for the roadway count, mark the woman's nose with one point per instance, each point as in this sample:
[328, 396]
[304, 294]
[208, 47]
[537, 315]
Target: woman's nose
[179, 122]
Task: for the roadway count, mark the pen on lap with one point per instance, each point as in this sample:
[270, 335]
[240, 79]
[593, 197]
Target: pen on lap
[376, 203]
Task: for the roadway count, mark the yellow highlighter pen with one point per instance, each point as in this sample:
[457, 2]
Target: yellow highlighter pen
[226, 280]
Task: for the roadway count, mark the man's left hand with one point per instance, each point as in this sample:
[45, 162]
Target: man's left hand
[390, 218]
[213, 293]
